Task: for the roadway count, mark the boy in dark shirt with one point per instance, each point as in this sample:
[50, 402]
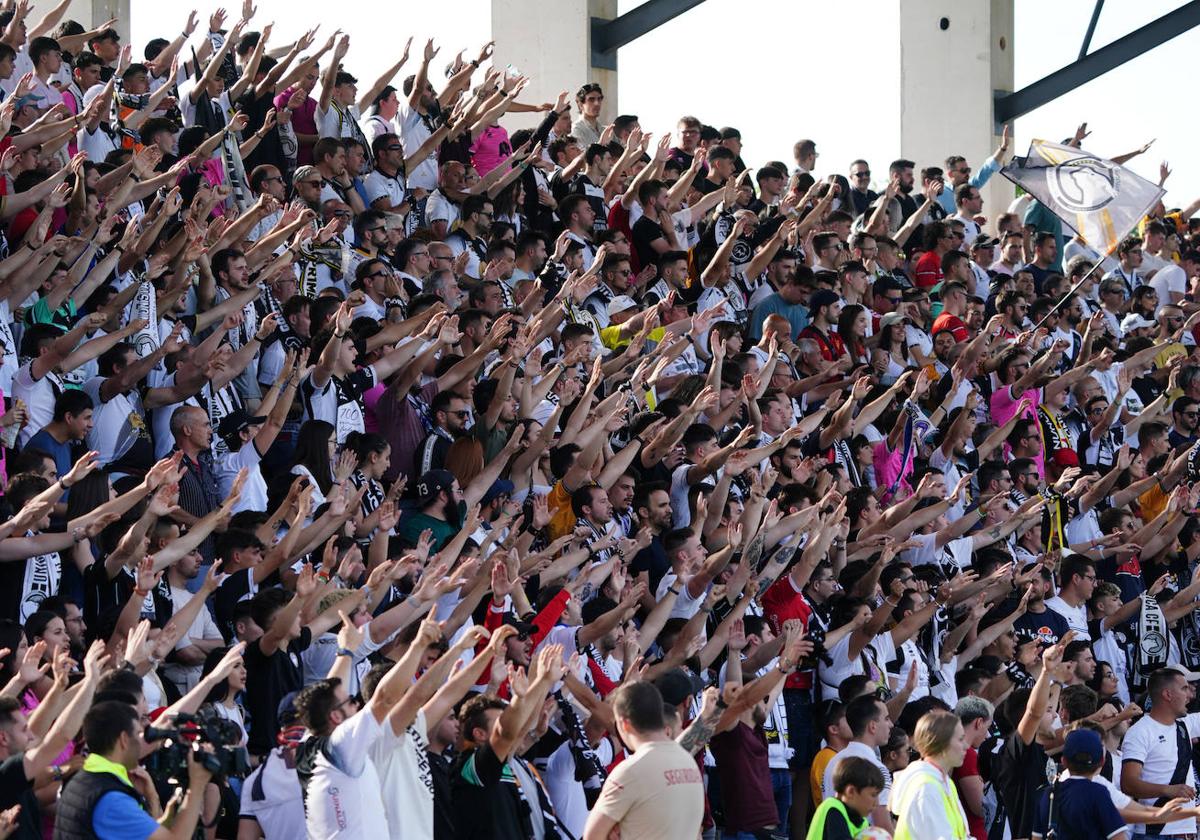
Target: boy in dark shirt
[858, 783]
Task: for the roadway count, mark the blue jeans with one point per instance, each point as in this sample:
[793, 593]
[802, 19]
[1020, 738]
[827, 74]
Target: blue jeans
[781, 782]
[801, 730]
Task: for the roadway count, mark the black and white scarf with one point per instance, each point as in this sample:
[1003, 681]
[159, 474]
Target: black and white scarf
[1153, 642]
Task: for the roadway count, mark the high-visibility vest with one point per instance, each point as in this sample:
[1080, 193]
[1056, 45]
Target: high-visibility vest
[954, 813]
[817, 829]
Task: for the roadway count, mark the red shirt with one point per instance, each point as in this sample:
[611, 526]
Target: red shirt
[929, 270]
[969, 768]
[946, 321]
[832, 346]
[783, 602]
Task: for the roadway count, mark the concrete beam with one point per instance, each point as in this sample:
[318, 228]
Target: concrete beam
[951, 53]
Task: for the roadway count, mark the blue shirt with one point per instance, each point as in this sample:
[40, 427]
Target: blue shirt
[1041, 219]
[977, 179]
[1083, 810]
[62, 453]
[117, 815]
[796, 313]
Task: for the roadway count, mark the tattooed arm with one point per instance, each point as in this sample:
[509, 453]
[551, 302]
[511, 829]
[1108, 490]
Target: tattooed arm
[696, 737]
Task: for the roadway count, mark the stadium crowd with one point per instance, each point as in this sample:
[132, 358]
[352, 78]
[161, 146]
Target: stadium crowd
[370, 470]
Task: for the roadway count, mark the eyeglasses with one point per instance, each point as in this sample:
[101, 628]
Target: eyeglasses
[461, 414]
[393, 148]
[894, 301]
[866, 174]
[484, 213]
[271, 178]
[311, 182]
[375, 229]
[378, 274]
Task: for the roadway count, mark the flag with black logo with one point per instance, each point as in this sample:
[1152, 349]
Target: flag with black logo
[1100, 200]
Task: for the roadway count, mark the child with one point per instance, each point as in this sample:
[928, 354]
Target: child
[1078, 806]
[858, 784]
[837, 736]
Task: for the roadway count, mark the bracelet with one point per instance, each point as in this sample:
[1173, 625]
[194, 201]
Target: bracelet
[672, 590]
[339, 336]
[345, 652]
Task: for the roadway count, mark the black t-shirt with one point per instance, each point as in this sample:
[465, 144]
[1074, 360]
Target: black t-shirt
[486, 800]
[16, 789]
[268, 679]
[645, 231]
[1049, 625]
[236, 587]
[1019, 773]
[443, 800]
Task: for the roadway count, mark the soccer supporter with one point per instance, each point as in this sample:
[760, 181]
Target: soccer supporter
[373, 467]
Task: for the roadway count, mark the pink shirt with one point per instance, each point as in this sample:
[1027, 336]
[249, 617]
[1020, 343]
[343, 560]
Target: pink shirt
[490, 149]
[304, 121]
[889, 466]
[1003, 407]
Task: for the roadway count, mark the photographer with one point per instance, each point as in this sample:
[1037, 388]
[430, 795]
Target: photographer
[112, 797]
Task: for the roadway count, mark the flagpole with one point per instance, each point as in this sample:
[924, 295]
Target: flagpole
[1112, 248]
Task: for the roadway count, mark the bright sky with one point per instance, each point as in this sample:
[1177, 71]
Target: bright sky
[781, 71]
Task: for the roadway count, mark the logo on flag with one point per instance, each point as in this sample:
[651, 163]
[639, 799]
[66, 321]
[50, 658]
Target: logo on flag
[1100, 200]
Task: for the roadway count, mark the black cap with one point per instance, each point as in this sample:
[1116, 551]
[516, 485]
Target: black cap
[819, 298]
[236, 420]
[678, 685]
[432, 483]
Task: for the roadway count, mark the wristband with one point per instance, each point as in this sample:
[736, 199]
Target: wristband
[672, 590]
[339, 336]
[345, 652]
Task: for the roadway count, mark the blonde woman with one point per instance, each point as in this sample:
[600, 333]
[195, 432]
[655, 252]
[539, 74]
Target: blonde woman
[924, 798]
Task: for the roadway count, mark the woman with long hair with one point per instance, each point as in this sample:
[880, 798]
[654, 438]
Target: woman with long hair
[374, 456]
[924, 797]
[852, 327]
[313, 457]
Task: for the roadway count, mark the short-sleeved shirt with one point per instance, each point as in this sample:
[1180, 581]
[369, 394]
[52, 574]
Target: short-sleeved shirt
[119, 817]
[1154, 746]
[1082, 810]
[17, 789]
[341, 786]
[340, 401]
[657, 792]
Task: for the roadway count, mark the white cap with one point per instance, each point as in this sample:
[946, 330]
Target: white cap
[620, 303]
[1134, 321]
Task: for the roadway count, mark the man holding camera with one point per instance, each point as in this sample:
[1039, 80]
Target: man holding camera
[111, 797]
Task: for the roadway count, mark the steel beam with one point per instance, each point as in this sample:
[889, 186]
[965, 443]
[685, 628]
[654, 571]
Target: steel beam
[1091, 30]
[1110, 56]
[610, 35]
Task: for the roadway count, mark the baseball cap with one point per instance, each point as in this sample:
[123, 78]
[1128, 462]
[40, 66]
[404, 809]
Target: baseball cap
[984, 241]
[1083, 750]
[1066, 458]
[621, 303]
[236, 420]
[28, 99]
[1134, 321]
[891, 318]
[500, 487]
[1190, 676]
[819, 298]
[678, 685]
[432, 483]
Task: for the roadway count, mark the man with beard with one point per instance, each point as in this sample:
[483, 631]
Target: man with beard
[620, 496]
[474, 223]
[652, 502]
[594, 511]
[438, 502]
[449, 414]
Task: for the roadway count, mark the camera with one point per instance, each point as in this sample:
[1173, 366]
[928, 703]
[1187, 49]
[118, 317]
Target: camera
[169, 763]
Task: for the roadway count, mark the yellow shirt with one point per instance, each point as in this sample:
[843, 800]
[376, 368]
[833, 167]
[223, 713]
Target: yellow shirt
[816, 773]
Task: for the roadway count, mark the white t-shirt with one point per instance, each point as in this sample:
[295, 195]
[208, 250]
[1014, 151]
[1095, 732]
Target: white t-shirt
[39, 395]
[254, 491]
[685, 605]
[956, 551]
[859, 750]
[380, 186]
[406, 784]
[439, 208]
[1154, 746]
[280, 810]
[1076, 616]
[8, 350]
[117, 424]
[414, 132]
[203, 627]
[878, 652]
[344, 794]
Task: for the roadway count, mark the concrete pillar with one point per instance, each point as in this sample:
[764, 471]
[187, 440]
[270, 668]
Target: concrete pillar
[552, 43]
[953, 55]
